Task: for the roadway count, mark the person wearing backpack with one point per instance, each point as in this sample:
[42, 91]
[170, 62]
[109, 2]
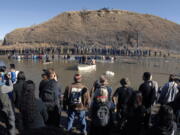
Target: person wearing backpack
[168, 91]
[100, 113]
[149, 90]
[76, 101]
[102, 82]
[50, 95]
[121, 98]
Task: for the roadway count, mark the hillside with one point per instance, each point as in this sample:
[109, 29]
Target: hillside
[104, 27]
[1, 41]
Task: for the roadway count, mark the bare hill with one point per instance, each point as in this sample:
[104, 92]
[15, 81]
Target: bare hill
[104, 27]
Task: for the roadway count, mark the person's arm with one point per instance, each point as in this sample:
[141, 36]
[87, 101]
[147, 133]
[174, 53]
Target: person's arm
[7, 88]
[156, 87]
[109, 93]
[176, 90]
[92, 91]
[141, 88]
[57, 94]
[40, 89]
[60, 95]
[14, 95]
[163, 94]
[65, 98]
[153, 96]
[88, 99]
[114, 97]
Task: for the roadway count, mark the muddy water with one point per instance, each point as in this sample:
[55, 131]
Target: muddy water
[132, 68]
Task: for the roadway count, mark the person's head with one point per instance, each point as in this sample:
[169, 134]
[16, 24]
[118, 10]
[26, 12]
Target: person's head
[21, 76]
[97, 84]
[171, 78]
[2, 68]
[147, 76]
[7, 76]
[125, 82]
[29, 87]
[103, 80]
[77, 78]
[44, 76]
[135, 99]
[12, 66]
[51, 74]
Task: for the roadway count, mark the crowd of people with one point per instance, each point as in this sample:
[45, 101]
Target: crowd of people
[150, 110]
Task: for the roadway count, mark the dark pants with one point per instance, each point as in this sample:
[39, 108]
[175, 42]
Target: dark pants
[99, 130]
[18, 121]
[53, 117]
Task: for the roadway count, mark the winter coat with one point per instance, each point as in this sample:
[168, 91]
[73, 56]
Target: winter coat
[97, 85]
[123, 94]
[85, 98]
[17, 90]
[148, 91]
[40, 116]
[51, 94]
[6, 113]
[168, 93]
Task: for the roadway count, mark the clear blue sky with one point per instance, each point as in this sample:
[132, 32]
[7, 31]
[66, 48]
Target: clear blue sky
[23, 13]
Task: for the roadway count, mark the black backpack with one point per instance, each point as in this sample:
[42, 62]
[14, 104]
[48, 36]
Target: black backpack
[48, 93]
[101, 115]
[149, 93]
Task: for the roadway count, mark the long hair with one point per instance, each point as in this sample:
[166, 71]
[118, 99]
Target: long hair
[135, 100]
[21, 76]
[28, 107]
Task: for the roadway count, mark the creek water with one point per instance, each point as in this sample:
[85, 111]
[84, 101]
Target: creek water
[132, 68]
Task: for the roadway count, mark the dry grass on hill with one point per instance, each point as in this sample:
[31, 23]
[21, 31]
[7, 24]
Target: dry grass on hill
[105, 27]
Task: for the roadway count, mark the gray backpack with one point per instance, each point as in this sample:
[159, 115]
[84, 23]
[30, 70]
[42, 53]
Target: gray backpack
[101, 94]
[101, 115]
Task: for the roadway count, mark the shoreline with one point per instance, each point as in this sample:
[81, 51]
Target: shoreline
[47, 48]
